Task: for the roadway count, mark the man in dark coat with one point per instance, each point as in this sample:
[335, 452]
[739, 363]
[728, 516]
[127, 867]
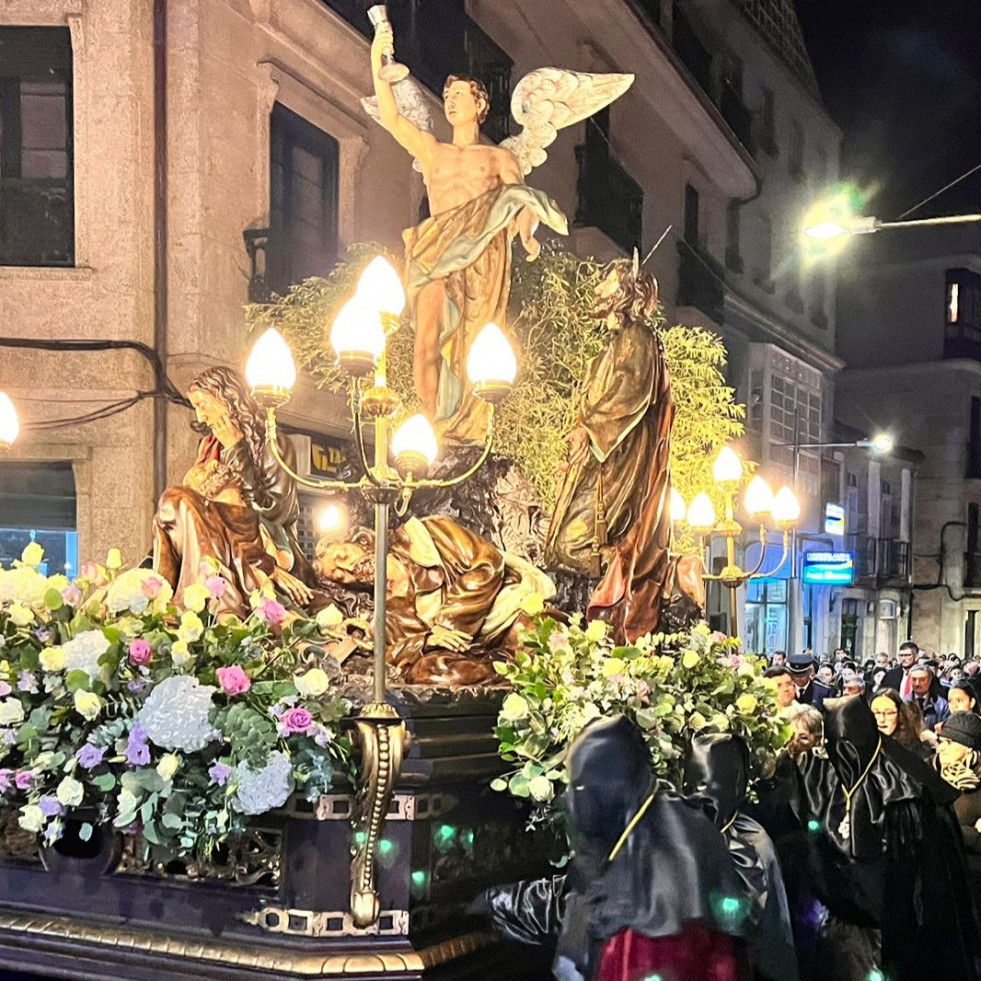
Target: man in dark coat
[810, 690]
[899, 677]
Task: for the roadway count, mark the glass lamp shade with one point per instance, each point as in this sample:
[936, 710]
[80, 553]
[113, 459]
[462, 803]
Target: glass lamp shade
[9, 423]
[270, 370]
[786, 508]
[491, 364]
[882, 443]
[701, 514]
[679, 510]
[414, 446]
[357, 336]
[330, 519]
[759, 498]
[379, 287]
[728, 468]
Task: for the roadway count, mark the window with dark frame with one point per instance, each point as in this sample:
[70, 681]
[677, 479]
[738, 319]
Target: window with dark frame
[37, 221]
[768, 127]
[303, 191]
[691, 215]
[795, 157]
[734, 260]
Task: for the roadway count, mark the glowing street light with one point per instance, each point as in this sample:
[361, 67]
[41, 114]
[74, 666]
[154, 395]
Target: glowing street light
[833, 228]
[9, 423]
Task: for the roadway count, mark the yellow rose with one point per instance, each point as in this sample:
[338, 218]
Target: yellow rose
[596, 630]
[169, 764]
[196, 597]
[314, 682]
[690, 659]
[52, 659]
[114, 560]
[329, 616]
[179, 653]
[31, 818]
[746, 703]
[696, 720]
[32, 555]
[541, 789]
[191, 627]
[70, 792]
[20, 615]
[88, 705]
[613, 666]
[514, 708]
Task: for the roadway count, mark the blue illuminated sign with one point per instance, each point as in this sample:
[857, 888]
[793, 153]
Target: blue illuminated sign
[829, 568]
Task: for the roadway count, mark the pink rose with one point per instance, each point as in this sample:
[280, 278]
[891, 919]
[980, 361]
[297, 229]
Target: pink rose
[295, 720]
[233, 680]
[718, 637]
[151, 587]
[270, 612]
[72, 595]
[140, 652]
[216, 586]
[90, 573]
[23, 779]
[643, 691]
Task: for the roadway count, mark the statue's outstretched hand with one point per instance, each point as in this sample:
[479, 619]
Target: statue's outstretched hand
[447, 639]
[296, 591]
[532, 246]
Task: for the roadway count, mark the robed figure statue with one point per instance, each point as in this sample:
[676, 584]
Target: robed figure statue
[613, 504]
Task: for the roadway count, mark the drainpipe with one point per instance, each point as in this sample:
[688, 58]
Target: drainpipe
[160, 238]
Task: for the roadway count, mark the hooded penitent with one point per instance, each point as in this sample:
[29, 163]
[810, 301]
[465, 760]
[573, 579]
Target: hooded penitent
[717, 776]
[887, 852]
[651, 888]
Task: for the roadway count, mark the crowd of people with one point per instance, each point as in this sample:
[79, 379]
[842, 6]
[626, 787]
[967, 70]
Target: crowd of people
[858, 858]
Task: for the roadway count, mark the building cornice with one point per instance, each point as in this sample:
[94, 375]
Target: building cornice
[923, 369]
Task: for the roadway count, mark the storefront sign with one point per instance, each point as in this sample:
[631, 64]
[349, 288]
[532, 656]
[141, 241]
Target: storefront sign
[829, 568]
[834, 519]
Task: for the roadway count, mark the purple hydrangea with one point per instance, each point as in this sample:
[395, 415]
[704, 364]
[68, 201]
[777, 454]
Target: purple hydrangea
[5, 776]
[137, 750]
[54, 831]
[89, 756]
[8, 737]
[220, 773]
[27, 681]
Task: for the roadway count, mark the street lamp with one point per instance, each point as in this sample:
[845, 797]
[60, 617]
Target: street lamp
[832, 228]
[9, 424]
[758, 502]
[359, 336]
[881, 444]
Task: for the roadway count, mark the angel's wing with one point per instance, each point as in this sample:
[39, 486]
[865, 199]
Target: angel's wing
[412, 104]
[548, 99]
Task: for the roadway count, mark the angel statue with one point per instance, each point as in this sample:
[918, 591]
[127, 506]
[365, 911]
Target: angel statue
[458, 262]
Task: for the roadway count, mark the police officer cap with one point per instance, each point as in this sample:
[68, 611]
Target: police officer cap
[799, 663]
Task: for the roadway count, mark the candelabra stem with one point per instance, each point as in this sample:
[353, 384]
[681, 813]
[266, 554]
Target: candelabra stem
[381, 582]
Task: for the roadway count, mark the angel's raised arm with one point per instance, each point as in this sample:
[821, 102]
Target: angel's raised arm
[417, 141]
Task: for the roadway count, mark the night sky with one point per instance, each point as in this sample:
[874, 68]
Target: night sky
[903, 80]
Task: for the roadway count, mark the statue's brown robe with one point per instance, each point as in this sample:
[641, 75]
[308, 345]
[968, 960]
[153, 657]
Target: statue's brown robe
[627, 412]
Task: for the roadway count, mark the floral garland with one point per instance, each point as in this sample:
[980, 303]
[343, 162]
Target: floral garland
[671, 685]
[117, 706]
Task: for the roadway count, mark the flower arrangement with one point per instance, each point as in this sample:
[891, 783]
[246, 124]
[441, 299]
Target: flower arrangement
[119, 706]
[670, 685]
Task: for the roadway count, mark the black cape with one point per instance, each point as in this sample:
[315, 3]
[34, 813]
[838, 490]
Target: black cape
[897, 864]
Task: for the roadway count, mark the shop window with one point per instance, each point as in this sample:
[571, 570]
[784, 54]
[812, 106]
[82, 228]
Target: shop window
[37, 503]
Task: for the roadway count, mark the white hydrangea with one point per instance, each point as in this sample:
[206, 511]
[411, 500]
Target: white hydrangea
[82, 653]
[126, 591]
[175, 714]
[23, 585]
[262, 790]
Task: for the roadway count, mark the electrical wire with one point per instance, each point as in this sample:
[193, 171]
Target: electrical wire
[937, 194]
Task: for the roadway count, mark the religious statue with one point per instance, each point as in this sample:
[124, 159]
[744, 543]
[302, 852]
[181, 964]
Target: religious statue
[237, 509]
[613, 498]
[452, 596]
[458, 262]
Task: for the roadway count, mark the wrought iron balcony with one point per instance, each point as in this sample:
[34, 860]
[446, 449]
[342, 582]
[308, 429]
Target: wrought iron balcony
[701, 280]
[36, 222]
[437, 38]
[882, 559]
[735, 113]
[696, 57]
[609, 198]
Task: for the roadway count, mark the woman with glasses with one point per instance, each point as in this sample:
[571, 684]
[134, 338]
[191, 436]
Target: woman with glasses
[894, 717]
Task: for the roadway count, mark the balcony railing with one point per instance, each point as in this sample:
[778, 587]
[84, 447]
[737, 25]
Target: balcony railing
[36, 223]
[609, 198]
[701, 281]
[882, 559]
[436, 39]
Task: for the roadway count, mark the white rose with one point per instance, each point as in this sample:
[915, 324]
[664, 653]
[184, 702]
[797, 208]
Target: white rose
[31, 818]
[169, 764]
[11, 711]
[82, 653]
[514, 708]
[20, 615]
[541, 789]
[315, 682]
[70, 792]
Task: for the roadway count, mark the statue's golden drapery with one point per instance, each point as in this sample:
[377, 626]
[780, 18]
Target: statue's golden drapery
[617, 483]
